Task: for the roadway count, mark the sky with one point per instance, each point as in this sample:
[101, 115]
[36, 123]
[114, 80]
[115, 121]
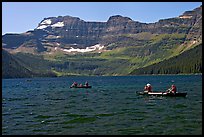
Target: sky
[19, 17]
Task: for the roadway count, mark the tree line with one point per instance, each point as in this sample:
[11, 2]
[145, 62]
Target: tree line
[185, 63]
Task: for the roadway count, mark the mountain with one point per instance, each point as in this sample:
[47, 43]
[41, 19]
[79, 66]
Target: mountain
[70, 46]
[67, 31]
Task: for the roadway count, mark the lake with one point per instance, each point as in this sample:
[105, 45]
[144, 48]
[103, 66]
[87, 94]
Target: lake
[47, 106]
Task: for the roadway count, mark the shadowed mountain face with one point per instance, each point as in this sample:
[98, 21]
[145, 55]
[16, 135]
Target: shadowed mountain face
[15, 67]
[118, 40]
[12, 68]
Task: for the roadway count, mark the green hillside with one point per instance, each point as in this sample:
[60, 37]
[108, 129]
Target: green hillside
[120, 60]
[185, 63]
[20, 66]
[12, 68]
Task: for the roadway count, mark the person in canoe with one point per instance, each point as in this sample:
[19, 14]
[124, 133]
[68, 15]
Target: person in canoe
[148, 88]
[173, 89]
[75, 84]
[145, 89]
[80, 85]
[86, 84]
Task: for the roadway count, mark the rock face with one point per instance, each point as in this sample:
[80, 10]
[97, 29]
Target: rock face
[195, 33]
[67, 31]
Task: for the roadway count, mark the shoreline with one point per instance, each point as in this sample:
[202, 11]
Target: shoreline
[107, 76]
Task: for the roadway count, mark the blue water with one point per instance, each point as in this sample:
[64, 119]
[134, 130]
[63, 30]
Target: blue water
[42, 106]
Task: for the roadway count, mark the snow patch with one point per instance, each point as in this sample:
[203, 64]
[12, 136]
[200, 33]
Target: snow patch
[58, 24]
[87, 49]
[53, 37]
[185, 17]
[194, 42]
[42, 27]
[46, 22]
[98, 46]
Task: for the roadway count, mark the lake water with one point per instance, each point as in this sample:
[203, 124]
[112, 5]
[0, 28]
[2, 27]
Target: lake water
[41, 106]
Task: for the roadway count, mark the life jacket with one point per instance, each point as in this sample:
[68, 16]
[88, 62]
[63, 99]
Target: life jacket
[149, 88]
[173, 89]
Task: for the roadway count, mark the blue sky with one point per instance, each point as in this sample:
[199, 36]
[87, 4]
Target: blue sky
[19, 17]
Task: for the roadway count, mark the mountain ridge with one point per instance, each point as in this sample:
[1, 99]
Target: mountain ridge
[67, 30]
[66, 40]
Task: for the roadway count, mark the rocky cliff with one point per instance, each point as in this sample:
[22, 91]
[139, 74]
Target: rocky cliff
[67, 31]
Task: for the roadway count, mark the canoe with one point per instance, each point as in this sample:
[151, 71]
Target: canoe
[82, 87]
[178, 94]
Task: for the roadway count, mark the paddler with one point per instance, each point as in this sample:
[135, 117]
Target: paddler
[86, 84]
[148, 88]
[173, 89]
